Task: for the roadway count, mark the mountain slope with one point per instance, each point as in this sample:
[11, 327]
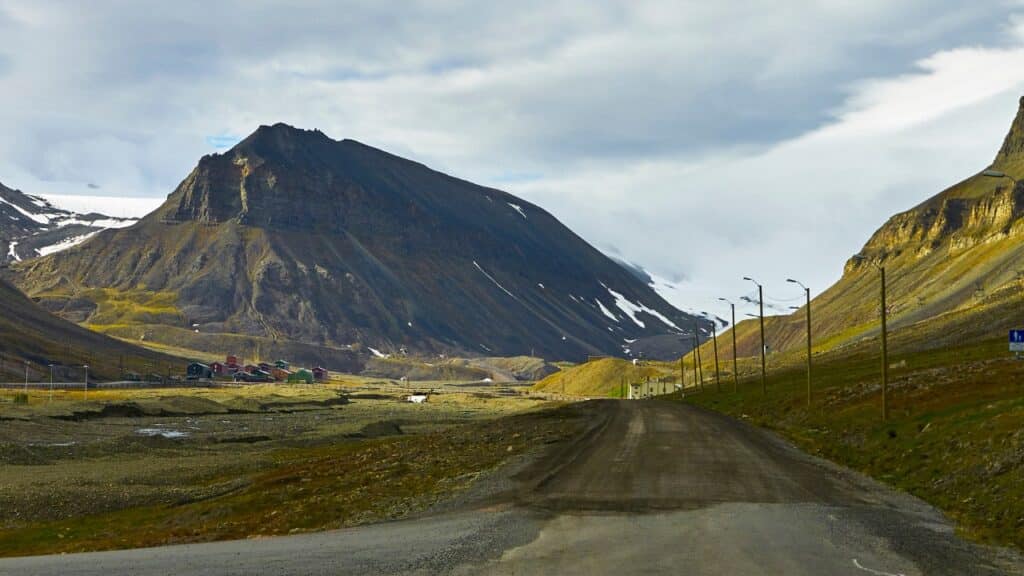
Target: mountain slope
[31, 226]
[30, 334]
[292, 236]
[954, 269]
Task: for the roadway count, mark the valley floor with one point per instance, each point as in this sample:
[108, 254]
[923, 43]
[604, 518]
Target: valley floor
[646, 487]
[142, 467]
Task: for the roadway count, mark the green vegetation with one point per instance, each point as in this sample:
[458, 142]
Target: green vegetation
[954, 437]
[603, 377]
[30, 336]
[303, 471]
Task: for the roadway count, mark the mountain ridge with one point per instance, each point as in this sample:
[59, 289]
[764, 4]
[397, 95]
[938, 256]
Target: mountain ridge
[32, 226]
[954, 257]
[293, 236]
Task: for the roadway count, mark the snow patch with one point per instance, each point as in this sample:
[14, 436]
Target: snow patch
[631, 309]
[541, 285]
[377, 353]
[605, 311]
[491, 278]
[100, 223]
[12, 253]
[38, 218]
[66, 243]
[117, 206]
[519, 209]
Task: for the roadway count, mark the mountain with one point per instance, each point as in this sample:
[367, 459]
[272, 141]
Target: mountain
[31, 226]
[292, 237]
[954, 269]
[28, 333]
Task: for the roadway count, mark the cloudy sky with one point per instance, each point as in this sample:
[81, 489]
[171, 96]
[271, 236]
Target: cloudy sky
[704, 141]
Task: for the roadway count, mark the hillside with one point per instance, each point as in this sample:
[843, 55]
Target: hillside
[31, 226]
[954, 271]
[29, 333]
[293, 238]
[604, 377]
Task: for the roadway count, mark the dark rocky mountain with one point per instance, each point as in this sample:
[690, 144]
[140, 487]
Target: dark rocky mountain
[31, 226]
[291, 236]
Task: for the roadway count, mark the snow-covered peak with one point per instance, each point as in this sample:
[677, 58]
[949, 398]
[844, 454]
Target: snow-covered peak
[32, 225]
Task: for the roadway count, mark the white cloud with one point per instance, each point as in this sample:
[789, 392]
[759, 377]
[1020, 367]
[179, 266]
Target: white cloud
[705, 140]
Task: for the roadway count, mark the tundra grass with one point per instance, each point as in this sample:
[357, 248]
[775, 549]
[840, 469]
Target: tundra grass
[310, 489]
[954, 436]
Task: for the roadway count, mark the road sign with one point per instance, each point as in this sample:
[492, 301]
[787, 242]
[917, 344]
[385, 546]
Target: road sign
[1016, 340]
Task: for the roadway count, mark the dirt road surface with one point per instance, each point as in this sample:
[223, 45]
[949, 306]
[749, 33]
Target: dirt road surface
[651, 488]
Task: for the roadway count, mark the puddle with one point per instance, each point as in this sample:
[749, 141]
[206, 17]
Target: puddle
[161, 432]
[54, 444]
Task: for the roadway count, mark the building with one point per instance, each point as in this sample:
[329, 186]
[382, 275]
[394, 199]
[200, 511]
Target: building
[265, 366]
[301, 376]
[255, 376]
[198, 371]
[282, 364]
[232, 360]
[218, 369]
[320, 374]
[280, 374]
[250, 368]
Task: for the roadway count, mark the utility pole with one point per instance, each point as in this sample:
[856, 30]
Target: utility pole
[884, 313]
[760, 302]
[694, 355]
[700, 364]
[51, 382]
[714, 339]
[86, 388]
[735, 369]
[807, 293]
[885, 353]
[26, 377]
[682, 379]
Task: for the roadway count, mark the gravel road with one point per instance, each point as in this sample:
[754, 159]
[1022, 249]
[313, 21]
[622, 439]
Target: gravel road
[653, 487]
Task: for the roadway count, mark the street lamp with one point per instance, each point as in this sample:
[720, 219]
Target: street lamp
[885, 347]
[807, 292]
[735, 371]
[26, 377]
[999, 174]
[51, 382]
[698, 368]
[86, 389]
[714, 339]
[760, 302]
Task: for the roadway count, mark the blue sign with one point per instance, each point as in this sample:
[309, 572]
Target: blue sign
[1016, 340]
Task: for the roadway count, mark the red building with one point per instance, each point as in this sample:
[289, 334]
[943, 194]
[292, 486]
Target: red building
[320, 374]
[232, 360]
[218, 369]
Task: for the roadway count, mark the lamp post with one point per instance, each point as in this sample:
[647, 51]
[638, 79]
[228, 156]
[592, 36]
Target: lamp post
[26, 377]
[51, 382]
[735, 370]
[760, 302]
[999, 174]
[885, 347]
[86, 388]
[700, 364]
[696, 343]
[807, 293]
[714, 340]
